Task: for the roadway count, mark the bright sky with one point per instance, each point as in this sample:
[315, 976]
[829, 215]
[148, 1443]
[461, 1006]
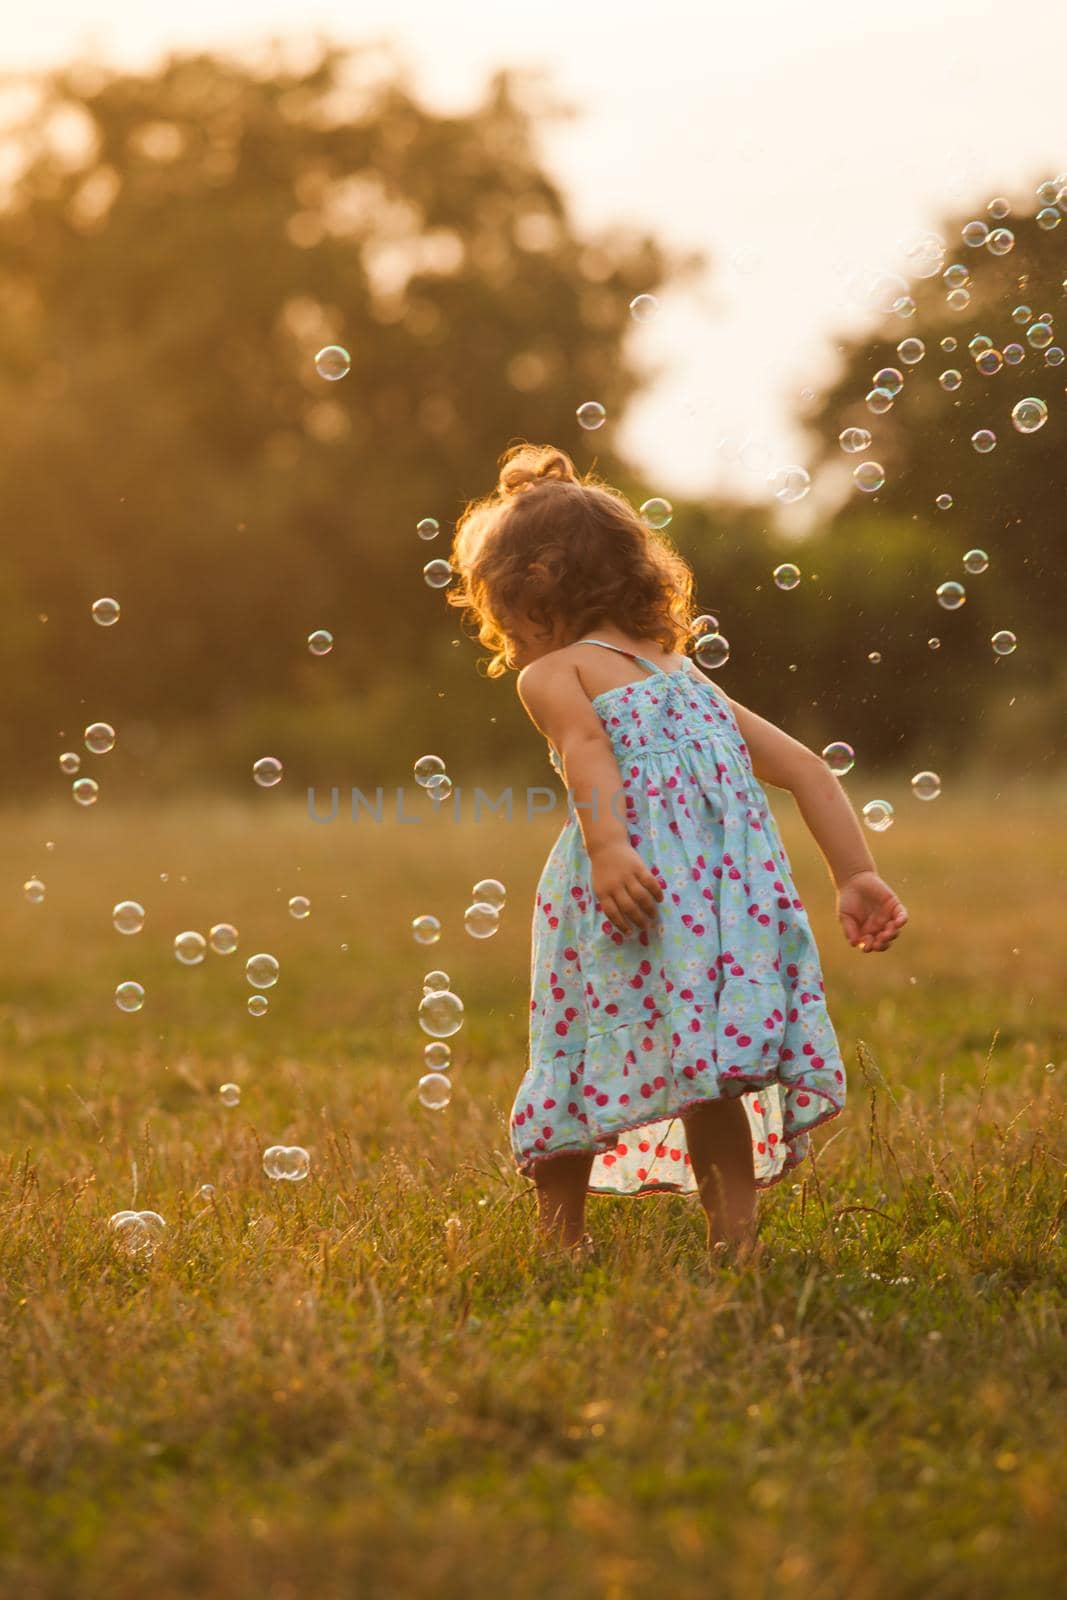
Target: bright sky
[797, 144]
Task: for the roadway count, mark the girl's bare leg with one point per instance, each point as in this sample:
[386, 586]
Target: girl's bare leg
[562, 1185]
[720, 1147]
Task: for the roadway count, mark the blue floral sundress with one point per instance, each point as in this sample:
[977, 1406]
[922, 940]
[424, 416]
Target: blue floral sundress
[723, 996]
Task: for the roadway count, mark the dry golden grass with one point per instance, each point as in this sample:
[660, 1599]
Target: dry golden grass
[332, 1389]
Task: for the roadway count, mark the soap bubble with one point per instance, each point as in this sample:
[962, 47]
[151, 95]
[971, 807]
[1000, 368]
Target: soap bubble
[998, 208]
[643, 307]
[85, 791]
[1054, 356]
[958, 299]
[869, 476]
[910, 351]
[438, 1056]
[435, 981]
[878, 815]
[230, 1094]
[490, 891]
[428, 528]
[34, 891]
[657, 512]
[206, 1192]
[320, 643]
[975, 234]
[427, 767]
[884, 291]
[267, 771]
[712, 651]
[481, 920]
[1013, 354]
[950, 379]
[258, 1005]
[223, 938]
[332, 362]
[976, 561]
[980, 342]
[190, 948]
[1000, 241]
[1039, 334]
[437, 573]
[128, 916]
[879, 401]
[925, 255]
[989, 362]
[99, 738]
[299, 907]
[934, 644]
[943, 502]
[786, 576]
[951, 595]
[874, 656]
[948, 344]
[789, 484]
[984, 441]
[129, 996]
[1029, 415]
[262, 970]
[286, 1161]
[70, 761]
[926, 786]
[137, 1232]
[956, 276]
[853, 440]
[439, 787]
[1049, 217]
[106, 611]
[1021, 314]
[435, 1090]
[839, 757]
[1047, 191]
[591, 414]
[890, 379]
[704, 624]
[441, 1014]
[426, 930]
[905, 306]
[1004, 642]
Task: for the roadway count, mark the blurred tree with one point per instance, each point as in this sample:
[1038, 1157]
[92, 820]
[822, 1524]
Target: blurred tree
[890, 550]
[175, 249]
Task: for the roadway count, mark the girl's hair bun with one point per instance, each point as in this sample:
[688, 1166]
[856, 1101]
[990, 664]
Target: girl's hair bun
[527, 464]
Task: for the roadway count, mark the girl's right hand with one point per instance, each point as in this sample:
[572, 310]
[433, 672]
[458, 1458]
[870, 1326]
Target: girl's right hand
[627, 890]
[869, 912]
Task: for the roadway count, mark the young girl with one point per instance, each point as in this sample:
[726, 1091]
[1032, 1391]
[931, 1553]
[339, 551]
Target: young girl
[679, 1038]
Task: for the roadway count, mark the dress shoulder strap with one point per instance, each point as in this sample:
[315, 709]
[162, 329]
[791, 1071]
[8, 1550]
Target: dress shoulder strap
[642, 661]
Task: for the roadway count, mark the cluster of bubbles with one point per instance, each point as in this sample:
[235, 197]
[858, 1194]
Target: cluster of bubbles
[190, 948]
[481, 918]
[99, 739]
[440, 1015]
[710, 648]
[286, 1162]
[138, 1233]
[878, 814]
[430, 775]
[437, 574]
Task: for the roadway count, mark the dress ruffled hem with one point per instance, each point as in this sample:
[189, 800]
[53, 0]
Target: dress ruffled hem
[775, 1050]
[796, 1146]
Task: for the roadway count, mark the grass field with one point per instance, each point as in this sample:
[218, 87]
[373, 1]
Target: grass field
[332, 1388]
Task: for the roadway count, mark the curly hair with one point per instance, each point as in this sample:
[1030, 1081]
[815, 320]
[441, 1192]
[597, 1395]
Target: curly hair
[551, 545]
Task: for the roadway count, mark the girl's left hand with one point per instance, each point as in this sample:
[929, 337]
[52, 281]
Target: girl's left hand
[627, 890]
